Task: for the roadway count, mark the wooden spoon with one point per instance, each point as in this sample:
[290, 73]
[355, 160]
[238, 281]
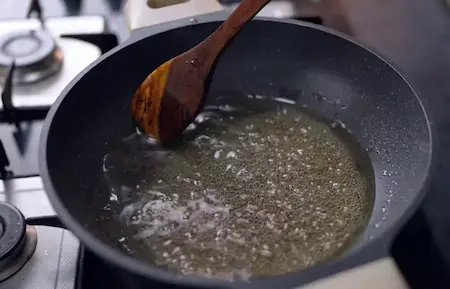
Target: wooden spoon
[171, 96]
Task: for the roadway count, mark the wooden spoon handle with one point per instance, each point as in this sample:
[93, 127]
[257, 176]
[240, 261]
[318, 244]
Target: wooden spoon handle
[241, 15]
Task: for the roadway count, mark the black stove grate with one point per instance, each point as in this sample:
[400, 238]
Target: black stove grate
[20, 128]
[94, 272]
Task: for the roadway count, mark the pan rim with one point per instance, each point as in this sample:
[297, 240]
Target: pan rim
[137, 267]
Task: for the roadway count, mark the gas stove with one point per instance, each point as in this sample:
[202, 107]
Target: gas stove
[38, 58]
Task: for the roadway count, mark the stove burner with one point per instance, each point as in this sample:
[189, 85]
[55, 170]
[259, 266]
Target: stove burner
[35, 54]
[17, 241]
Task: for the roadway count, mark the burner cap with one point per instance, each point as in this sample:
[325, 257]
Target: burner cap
[17, 240]
[35, 54]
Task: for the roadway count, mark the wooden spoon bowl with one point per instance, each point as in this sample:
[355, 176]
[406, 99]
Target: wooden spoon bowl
[172, 95]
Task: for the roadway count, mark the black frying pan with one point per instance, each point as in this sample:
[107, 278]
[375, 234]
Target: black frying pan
[294, 60]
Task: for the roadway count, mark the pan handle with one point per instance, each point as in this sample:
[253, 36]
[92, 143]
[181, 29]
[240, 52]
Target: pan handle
[138, 13]
[381, 273]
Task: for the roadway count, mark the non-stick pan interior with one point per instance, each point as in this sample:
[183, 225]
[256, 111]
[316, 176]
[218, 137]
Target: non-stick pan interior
[328, 75]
